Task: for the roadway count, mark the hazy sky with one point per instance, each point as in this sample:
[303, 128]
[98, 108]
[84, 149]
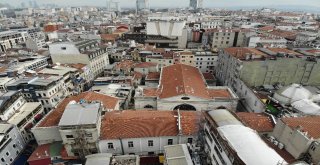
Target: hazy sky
[176, 3]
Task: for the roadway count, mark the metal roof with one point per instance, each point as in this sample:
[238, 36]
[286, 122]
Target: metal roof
[177, 155]
[80, 114]
[223, 117]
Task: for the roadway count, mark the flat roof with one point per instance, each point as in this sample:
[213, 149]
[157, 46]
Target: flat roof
[24, 111]
[57, 70]
[223, 117]
[99, 159]
[177, 155]
[80, 114]
[248, 145]
[4, 127]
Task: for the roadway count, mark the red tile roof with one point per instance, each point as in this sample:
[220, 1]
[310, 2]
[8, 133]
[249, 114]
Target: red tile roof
[240, 53]
[145, 65]
[180, 79]
[153, 76]
[53, 118]
[257, 121]
[126, 64]
[309, 124]
[150, 92]
[208, 76]
[142, 123]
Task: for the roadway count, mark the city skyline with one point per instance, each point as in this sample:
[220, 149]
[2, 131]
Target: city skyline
[178, 3]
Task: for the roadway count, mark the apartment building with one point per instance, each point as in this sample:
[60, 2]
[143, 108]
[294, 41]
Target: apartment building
[129, 132]
[35, 39]
[206, 62]
[72, 77]
[9, 39]
[22, 114]
[256, 67]
[27, 64]
[47, 130]
[85, 52]
[11, 142]
[228, 141]
[80, 136]
[225, 38]
[184, 57]
[299, 136]
[48, 91]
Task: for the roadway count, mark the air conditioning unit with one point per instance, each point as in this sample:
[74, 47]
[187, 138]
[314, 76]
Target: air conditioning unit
[271, 138]
[275, 142]
[280, 146]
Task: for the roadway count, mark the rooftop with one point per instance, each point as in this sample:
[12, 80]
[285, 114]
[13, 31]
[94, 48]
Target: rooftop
[23, 112]
[53, 118]
[309, 124]
[81, 114]
[257, 121]
[223, 117]
[177, 155]
[180, 79]
[142, 123]
[251, 149]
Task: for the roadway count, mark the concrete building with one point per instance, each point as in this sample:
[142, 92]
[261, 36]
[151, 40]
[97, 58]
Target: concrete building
[222, 131]
[256, 67]
[80, 136]
[85, 52]
[142, 5]
[48, 91]
[12, 144]
[206, 61]
[24, 115]
[299, 136]
[47, 130]
[196, 4]
[146, 132]
[177, 154]
[9, 39]
[35, 39]
[166, 32]
[3, 83]
[225, 38]
[184, 57]
[183, 87]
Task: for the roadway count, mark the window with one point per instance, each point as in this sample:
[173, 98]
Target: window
[313, 147]
[2, 159]
[14, 145]
[11, 159]
[150, 143]
[110, 145]
[130, 144]
[69, 136]
[170, 141]
[7, 153]
[88, 134]
[190, 140]
[63, 48]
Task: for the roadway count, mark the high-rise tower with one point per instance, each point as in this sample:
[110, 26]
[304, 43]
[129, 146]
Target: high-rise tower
[142, 5]
[196, 4]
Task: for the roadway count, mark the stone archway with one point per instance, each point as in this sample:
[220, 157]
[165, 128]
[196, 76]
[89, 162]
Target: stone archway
[185, 107]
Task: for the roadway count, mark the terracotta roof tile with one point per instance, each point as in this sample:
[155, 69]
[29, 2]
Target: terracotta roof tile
[153, 76]
[309, 124]
[208, 76]
[180, 79]
[150, 92]
[145, 65]
[137, 124]
[257, 121]
[240, 53]
[53, 118]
